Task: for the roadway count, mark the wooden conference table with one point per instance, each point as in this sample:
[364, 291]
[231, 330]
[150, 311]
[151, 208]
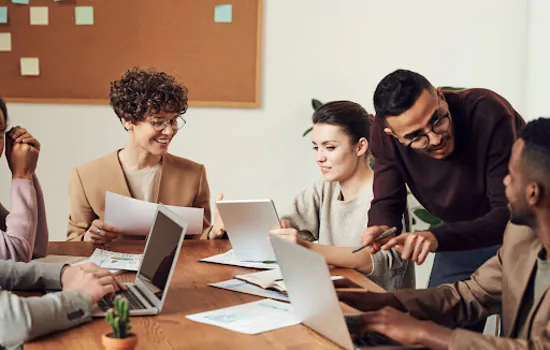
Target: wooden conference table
[189, 293]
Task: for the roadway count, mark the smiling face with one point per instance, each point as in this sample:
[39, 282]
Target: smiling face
[145, 136]
[337, 156]
[428, 122]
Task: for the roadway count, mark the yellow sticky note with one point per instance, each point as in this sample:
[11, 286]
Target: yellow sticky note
[30, 66]
[39, 15]
[5, 41]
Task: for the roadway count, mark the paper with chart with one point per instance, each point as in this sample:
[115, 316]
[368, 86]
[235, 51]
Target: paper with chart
[252, 318]
[229, 258]
[134, 217]
[244, 287]
[115, 260]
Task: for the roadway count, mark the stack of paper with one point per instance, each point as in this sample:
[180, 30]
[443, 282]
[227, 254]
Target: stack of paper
[244, 287]
[115, 260]
[267, 284]
[229, 258]
[252, 318]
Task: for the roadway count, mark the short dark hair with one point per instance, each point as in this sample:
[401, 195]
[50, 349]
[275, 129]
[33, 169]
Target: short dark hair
[350, 116]
[536, 152]
[398, 92]
[141, 91]
[4, 110]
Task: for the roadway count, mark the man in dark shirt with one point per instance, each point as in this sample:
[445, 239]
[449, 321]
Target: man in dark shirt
[451, 148]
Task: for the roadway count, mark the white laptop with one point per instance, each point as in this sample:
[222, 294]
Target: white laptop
[147, 293]
[314, 300]
[248, 223]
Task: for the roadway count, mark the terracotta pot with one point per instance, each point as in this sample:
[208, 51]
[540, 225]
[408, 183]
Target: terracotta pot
[119, 343]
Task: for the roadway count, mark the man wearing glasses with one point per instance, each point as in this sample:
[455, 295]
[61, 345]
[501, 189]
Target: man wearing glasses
[451, 149]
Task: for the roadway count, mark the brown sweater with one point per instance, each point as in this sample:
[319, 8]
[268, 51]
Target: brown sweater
[464, 190]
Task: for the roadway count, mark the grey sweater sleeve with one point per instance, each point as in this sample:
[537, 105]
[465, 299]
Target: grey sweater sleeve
[23, 319]
[303, 215]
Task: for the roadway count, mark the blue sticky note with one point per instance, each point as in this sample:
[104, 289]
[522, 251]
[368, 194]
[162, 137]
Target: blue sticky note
[24, 2]
[223, 13]
[3, 14]
[84, 15]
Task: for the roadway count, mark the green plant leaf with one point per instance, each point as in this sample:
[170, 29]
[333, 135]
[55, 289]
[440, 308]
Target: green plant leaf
[371, 162]
[451, 88]
[426, 217]
[315, 103]
[307, 131]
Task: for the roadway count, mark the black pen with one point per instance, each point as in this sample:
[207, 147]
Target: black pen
[381, 236]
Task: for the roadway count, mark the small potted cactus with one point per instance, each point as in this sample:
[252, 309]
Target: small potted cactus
[118, 318]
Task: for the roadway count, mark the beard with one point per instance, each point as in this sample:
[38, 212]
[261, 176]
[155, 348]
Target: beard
[521, 217]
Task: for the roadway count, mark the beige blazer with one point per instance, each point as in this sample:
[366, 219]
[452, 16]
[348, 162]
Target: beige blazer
[497, 286]
[182, 183]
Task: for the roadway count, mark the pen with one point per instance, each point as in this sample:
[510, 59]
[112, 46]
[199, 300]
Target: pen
[381, 236]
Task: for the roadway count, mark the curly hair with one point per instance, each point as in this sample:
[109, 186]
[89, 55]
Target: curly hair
[142, 91]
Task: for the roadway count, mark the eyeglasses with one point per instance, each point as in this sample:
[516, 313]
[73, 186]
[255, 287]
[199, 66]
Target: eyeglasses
[440, 126]
[161, 124]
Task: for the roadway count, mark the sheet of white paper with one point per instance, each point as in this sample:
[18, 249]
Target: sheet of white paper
[252, 318]
[229, 258]
[134, 217]
[116, 260]
[113, 271]
[243, 287]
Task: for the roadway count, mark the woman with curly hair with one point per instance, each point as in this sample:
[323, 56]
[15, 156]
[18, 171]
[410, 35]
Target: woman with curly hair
[150, 106]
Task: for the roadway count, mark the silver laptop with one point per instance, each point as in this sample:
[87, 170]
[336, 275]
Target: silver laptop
[147, 293]
[314, 300]
[248, 223]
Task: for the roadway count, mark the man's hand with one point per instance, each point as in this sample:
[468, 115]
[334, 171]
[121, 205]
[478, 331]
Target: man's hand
[413, 246]
[369, 236]
[22, 151]
[100, 233]
[405, 329]
[90, 279]
[364, 300]
[289, 234]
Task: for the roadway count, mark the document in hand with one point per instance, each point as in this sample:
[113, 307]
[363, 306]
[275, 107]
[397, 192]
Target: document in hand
[134, 217]
[251, 318]
[270, 279]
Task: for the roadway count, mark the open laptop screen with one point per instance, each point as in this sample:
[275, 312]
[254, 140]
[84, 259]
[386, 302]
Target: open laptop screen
[159, 254]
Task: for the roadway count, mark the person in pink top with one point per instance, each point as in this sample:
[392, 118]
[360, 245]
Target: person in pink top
[23, 230]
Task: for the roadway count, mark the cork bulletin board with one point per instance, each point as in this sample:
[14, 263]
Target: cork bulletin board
[212, 46]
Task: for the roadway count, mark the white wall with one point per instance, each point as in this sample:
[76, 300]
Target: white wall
[538, 67]
[312, 48]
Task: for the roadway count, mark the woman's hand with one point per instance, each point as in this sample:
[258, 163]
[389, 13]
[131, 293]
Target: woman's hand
[218, 230]
[100, 233]
[290, 234]
[22, 151]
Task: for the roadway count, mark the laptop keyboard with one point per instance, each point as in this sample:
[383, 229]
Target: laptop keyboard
[133, 302]
[370, 339]
[367, 339]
